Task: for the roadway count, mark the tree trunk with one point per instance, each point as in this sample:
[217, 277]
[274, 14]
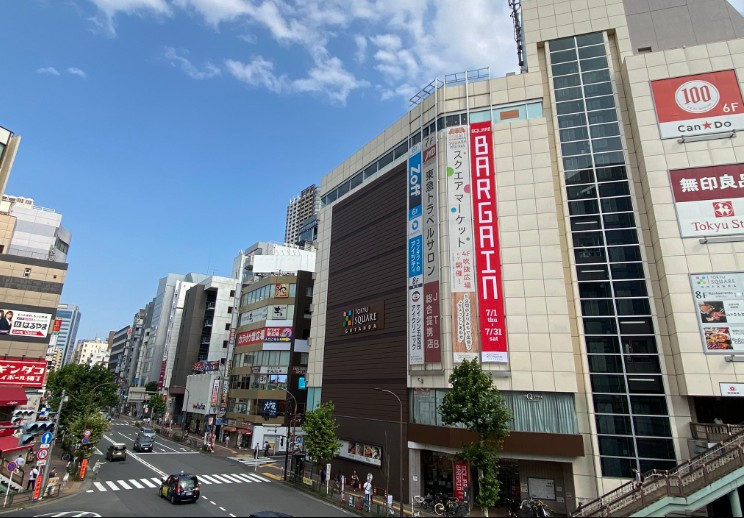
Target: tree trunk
[484, 508]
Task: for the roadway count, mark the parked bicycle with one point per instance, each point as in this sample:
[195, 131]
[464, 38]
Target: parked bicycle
[428, 502]
[451, 506]
[532, 508]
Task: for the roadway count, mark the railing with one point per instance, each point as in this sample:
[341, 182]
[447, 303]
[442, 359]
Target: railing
[714, 432]
[682, 481]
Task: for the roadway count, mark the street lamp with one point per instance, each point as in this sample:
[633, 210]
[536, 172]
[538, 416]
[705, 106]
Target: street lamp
[378, 389]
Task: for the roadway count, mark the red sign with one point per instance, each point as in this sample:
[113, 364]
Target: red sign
[162, 374]
[57, 325]
[37, 486]
[698, 104]
[24, 373]
[251, 337]
[278, 334]
[432, 331]
[487, 254]
[83, 466]
[461, 479]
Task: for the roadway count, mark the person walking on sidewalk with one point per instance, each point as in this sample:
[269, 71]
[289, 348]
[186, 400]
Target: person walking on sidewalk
[255, 451]
[266, 448]
[32, 478]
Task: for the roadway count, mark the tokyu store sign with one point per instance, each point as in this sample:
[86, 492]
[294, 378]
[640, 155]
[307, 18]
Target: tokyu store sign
[700, 104]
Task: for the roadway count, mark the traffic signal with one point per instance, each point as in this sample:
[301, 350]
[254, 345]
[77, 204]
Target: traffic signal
[20, 415]
[38, 427]
[25, 439]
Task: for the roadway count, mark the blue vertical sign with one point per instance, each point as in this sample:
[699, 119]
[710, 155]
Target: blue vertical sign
[415, 259]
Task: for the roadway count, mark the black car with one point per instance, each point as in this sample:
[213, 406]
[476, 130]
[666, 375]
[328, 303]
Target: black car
[180, 488]
[143, 443]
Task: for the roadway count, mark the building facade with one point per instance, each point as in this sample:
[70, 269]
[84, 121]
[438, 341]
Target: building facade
[39, 232]
[300, 208]
[69, 317]
[572, 227]
[92, 352]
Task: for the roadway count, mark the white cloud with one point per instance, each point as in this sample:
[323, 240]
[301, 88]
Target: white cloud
[76, 72]
[397, 46]
[209, 70]
[48, 71]
[109, 9]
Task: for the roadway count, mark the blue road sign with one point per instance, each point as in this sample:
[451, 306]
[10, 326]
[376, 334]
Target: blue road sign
[85, 440]
[11, 466]
[46, 438]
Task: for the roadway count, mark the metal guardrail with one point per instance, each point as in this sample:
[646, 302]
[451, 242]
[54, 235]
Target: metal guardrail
[714, 432]
[682, 481]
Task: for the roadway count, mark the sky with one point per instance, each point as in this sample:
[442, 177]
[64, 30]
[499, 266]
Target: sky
[170, 134]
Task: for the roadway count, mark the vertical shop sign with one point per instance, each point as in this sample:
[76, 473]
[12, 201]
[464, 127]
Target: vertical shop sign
[487, 255]
[215, 392]
[461, 479]
[432, 333]
[465, 339]
[415, 260]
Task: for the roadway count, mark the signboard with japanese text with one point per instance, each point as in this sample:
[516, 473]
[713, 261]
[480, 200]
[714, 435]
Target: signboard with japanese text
[709, 200]
[487, 253]
[541, 488]
[698, 104]
[361, 452]
[206, 366]
[251, 337]
[278, 334]
[461, 477]
[415, 260]
[15, 322]
[465, 339]
[215, 396]
[24, 373]
[719, 301]
[363, 318]
[281, 290]
[731, 389]
[430, 202]
[253, 316]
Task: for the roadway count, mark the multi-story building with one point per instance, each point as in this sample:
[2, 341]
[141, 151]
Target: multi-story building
[69, 319]
[54, 358]
[118, 344]
[39, 232]
[269, 361]
[91, 352]
[300, 208]
[572, 227]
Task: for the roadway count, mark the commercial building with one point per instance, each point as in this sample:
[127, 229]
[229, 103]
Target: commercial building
[573, 227]
[54, 359]
[117, 346]
[39, 232]
[69, 317]
[300, 208]
[92, 352]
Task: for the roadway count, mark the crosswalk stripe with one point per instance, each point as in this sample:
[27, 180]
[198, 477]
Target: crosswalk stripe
[244, 477]
[135, 483]
[223, 479]
[156, 480]
[233, 477]
[99, 486]
[147, 482]
[209, 480]
[124, 484]
[258, 477]
[112, 485]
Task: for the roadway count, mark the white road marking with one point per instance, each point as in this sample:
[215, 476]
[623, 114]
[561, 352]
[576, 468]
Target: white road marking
[257, 476]
[124, 484]
[222, 509]
[112, 485]
[136, 484]
[233, 516]
[99, 486]
[233, 477]
[89, 491]
[138, 459]
[147, 483]
[221, 478]
[157, 480]
[213, 503]
[245, 477]
[204, 479]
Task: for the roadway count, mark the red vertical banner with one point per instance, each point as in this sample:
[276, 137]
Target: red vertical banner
[461, 477]
[37, 486]
[487, 253]
[430, 202]
[83, 467]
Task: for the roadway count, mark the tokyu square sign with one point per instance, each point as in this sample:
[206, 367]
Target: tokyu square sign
[363, 318]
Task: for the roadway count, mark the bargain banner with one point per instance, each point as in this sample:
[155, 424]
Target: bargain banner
[415, 260]
[430, 202]
[465, 339]
[487, 254]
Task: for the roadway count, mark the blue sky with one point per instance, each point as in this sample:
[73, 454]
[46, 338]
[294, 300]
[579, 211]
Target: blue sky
[172, 133]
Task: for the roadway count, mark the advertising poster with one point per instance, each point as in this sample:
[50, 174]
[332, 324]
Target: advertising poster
[698, 104]
[281, 290]
[487, 254]
[24, 373]
[461, 476]
[719, 301]
[215, 396]
[465, 339]
[432, 333]
[14, 322]
[361, 452]
[253, 316]
[278, 334]
[415, 260]
[709, 200]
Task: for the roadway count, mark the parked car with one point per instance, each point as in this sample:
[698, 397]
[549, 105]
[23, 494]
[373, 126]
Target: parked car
[143, 443]
[180, 488]
[149, 432]
[117, 451]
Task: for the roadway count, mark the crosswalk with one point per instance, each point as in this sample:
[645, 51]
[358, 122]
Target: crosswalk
[154, 482]
[250, 461]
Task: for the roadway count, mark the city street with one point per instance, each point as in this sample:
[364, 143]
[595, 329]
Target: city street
[229, 488]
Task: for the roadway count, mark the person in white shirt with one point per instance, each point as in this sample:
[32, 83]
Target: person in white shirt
[20, 461]
[368, 493]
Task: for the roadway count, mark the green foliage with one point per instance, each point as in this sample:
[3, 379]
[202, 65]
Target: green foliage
[78, 423]
[474, 402]
[151, 386]
[320, 438]
[89, 390]
[156, 404]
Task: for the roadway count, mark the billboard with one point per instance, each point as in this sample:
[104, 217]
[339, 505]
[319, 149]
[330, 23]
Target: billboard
[719, 301]
[281, 290]
[699, 104]
[361, 452]
[709, 200]
[251, 337]
[278, 334]
[465, 339]
[430, 243]
[205, 366]
[14, 322]
[487, 253]
[415, 260]
[24, 373]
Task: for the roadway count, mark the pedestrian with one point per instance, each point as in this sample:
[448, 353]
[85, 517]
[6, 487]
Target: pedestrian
[322, 476]
[227, 439]
[32, 478]
[266, 448]
[255, 451]
[354, 481]
[53, 473]
[20, 461]
[368, 493]
[390, 504]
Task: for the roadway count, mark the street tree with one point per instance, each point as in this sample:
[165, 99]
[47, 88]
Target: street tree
[476, 403]
[92, 421]
[151, 386]
[321, 441]
[89, 390]
[157, 406]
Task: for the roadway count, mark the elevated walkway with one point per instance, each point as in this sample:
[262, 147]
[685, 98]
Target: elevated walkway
[691, 485]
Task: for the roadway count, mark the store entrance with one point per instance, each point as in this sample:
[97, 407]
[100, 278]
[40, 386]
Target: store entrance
[437, 473]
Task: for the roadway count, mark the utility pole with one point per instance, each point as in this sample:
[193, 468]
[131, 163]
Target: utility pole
[51, 446]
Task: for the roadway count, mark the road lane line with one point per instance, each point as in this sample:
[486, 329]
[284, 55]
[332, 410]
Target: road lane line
[147, 483]
[222, 509]
[99, 486]
[202, 479]
[223, 479]
[233, 477]
[135, 483]
[213, 503]
[113, 486]
[124, 484]
[138, 459]
[157, 480]
[232, 515]
[258, 477]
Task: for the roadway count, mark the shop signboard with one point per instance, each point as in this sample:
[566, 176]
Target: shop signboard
[254, 315]
[541, 488]
[465, 339]
[206, 366]
[699, 104]
[430, 203]
[361, 452]
[251, 337]
[281, 290]
[26, 373]
[719, 302]
[709, 200]
[278, 334]
[487, 252]
[363, 318]
[14, 322]
[415, 259]
[215, 396]
[461, 477]
[732, 389]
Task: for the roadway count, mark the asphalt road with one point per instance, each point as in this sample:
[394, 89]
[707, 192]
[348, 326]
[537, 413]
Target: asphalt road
[229, 488]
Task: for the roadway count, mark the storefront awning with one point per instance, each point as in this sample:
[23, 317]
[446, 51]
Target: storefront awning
[10, 444]
[12, 396]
